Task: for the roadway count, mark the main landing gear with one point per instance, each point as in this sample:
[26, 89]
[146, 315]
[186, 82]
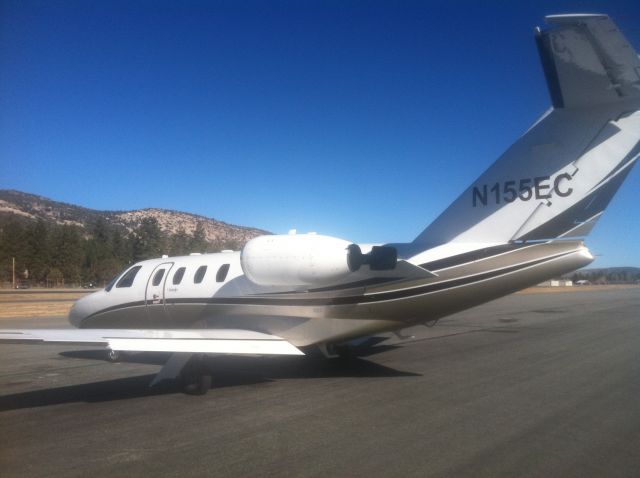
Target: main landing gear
[189, 370]
[196, 378]
[341, 352]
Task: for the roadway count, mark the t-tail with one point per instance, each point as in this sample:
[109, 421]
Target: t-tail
[558, 178]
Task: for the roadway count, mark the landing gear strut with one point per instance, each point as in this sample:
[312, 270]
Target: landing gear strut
[196, 378]
[342, 352]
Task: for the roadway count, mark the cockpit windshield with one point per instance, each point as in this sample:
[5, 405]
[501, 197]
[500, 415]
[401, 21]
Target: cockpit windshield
[109, 286]
[126, 280]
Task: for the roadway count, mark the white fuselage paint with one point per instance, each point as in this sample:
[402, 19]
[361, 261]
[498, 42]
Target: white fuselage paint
[312, 316]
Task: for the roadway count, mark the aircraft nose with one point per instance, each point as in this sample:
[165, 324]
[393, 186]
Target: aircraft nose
[81, 309]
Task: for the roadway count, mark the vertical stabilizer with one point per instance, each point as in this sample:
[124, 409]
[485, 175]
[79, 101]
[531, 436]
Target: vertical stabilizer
[558, 178]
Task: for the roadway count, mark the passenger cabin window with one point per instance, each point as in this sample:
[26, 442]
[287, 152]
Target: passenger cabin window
[157, 278]
[222, 273]
[128, 277]
[177, 277]
[197, 278]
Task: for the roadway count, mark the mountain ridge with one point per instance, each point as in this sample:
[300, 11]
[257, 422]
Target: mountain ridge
[35, 207]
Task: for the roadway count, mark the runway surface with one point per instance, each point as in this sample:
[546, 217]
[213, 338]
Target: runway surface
[529, 385]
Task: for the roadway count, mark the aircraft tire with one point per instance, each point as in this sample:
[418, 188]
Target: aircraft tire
[113, 355]
[196, 379]
[197, 384]
[345, 353]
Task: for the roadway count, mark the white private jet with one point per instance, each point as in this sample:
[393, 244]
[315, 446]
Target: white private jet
[518, 224]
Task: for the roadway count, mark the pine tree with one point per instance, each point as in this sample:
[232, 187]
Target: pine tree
[199, 242]
[68, 253]
[148, 240]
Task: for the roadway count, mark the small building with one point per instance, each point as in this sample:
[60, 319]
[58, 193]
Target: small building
[556, 283]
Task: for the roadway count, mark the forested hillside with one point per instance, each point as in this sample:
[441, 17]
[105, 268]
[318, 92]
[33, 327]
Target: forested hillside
[55, 244]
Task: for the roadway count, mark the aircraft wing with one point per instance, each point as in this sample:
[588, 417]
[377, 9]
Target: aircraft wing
[212, 341]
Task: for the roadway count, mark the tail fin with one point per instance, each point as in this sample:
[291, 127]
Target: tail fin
[558, 178]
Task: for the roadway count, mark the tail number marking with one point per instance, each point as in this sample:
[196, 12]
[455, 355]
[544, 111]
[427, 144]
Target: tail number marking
[540, 187]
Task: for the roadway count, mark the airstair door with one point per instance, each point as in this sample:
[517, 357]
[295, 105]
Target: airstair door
[154, 295]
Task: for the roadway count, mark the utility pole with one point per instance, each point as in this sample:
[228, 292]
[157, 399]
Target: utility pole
[13, 273]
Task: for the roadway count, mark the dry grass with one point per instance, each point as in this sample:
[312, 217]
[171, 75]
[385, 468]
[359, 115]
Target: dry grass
[33, 304]
[582, 288]
[44, 296]
[42, 309]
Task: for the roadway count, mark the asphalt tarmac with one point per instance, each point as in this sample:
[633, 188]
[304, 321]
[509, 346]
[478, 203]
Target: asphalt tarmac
[529, 385]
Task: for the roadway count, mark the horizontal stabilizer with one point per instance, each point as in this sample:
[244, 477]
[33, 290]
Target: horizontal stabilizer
[587, 61]
[211, 341]
[407, 270]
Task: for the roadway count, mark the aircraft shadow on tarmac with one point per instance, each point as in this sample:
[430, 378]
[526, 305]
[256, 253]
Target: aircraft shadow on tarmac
[228, 371]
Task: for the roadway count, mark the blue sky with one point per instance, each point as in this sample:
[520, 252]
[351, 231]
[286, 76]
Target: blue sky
[361, 120]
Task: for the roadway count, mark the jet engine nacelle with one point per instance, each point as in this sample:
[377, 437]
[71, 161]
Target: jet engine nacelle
[308, 259]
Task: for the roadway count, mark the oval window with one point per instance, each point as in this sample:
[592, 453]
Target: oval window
[197, 278]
